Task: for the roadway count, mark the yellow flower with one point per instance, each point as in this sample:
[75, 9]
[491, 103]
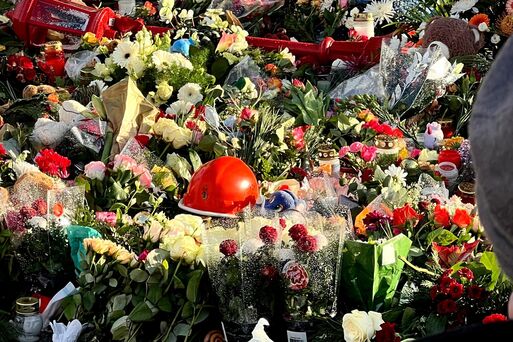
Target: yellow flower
[193, 224]
[163, 124]
[403, 154]
[164, 178]
[179, 136]
[366, 115]
[90, 38]
[124, 256]
[185, 248]
[2, 47]
[153, 232]
[99, 246]
[164, 91]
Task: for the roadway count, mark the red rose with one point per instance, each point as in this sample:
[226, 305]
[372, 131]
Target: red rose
[296, 275]
[142, 139]
[298, 135]
[28, 213]
[405, 215]
[40, 206]
[268, 234]
[466, 273]
[387, 333]
[442, 217]
[447, 306]
[456, 290]
[367, 175]
[246, 114]
[494, 318]
[307, 244]
[461, 218]
[269, 272]
[475, 292]
[143, 255]
[3, 152]
[228, 247]
[298, 231]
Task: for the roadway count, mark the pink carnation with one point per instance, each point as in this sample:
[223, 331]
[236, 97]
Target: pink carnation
[123, 162]
[95, 170]
[343, 151]
[356, 147]
[107, 217]
[368, 153]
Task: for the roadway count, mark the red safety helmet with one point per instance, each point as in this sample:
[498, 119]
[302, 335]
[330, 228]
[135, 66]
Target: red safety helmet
[221, 187]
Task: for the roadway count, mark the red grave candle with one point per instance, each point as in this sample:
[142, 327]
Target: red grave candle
[451, 156]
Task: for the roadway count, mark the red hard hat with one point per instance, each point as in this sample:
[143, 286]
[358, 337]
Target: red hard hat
[221, 187]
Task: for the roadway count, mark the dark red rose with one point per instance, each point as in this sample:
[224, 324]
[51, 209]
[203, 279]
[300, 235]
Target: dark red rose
[456, 290]
[269, 272]
[466, 273]
[28, 213]
[143, 255]
[307, 244]
[387, 333]
[298, 231]
[40, 206]
[228, 247]
[494, 318]
[268, 234]
[296, 275]
[367, 175]
[447, 306]
[434, 292]
[475, 292]
[143, 139]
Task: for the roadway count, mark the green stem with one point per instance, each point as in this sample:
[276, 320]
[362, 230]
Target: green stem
[416, 268]
[165, 150]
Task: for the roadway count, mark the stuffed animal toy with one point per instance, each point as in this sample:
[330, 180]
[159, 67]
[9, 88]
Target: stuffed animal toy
[454, 36]
[433, 135]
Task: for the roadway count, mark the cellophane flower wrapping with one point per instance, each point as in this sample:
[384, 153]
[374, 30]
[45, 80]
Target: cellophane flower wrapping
[309, 259]
[243, 268]
[246, 10]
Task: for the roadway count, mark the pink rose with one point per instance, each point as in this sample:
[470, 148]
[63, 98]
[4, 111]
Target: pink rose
[123, 163]
[356, 147]
[144, 175]
[95, 170]
[296, 275]
[368, 153]
[342, 3]
[107, 217]
[343, 151]
[415, 153]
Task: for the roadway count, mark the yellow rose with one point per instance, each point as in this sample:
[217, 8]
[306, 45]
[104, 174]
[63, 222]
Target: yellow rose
[113, 248]
[178, 136]
[124, 256]
[164, 91]
[186, 248]
[90, 38]
[193, 224]
[99, 246]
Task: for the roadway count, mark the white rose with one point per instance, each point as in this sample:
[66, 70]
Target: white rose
[359, 326]
[185, 248]
[152, 232]
[194, 224]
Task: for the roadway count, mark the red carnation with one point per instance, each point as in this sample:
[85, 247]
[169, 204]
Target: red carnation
[447, 306]
[466, 273]
[494, 318]
[268, 234]
[434, 291]
[40, 206]
[405, 215]
[52, 163]
[456, 290]
[298, 231]
[228, 247]
[307, 244]
[387, 333]
[296, 276]
[269, 272]
[445, 284]
[461, 218]
[442, 217]
[475, 292]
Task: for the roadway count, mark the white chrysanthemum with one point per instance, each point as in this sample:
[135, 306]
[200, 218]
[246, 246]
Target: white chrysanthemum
[397, 174]
[136, 67]
[179, 108]
[495, 39]
[381, 10]
[191, 92]
[126, 53]
[164, 59]
[462, 6]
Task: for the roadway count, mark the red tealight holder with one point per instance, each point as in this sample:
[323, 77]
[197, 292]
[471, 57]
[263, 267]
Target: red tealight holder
[451, 156]
[32, 19]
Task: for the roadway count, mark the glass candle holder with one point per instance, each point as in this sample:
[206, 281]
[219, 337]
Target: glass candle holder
[28, 319]
[364, 25]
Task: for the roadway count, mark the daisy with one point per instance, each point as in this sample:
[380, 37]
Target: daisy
[125, 53]
[180, 108]
[462, 6]
[396, 173]
[381, 10]
[191, 92]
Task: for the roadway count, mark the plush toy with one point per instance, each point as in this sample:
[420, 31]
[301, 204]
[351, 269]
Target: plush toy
[281, 200]
[454, 36]
[433, 135]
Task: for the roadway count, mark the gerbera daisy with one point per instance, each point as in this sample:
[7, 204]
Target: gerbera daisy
[190, 92]
[479, 19]
[381, 10]
[397, 173]
[126, 53]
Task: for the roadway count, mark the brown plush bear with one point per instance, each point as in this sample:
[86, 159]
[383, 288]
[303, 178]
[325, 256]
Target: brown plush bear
[455, 37]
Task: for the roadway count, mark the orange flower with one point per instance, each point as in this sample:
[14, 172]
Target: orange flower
[461, 218]
[53, 98]
[479, 19]
[58, 209]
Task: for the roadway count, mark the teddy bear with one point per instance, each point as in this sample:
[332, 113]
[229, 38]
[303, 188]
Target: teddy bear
[454, 36]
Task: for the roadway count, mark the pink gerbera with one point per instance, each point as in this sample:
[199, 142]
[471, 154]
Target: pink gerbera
[509, 7]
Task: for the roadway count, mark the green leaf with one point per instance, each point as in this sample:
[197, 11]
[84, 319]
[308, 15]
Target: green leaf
[89, 278]
[113, 282]
[489, 260]
[120, 329]
[154, 294]
[141, 313]
[165, 304]
[408, 318]
[88, 300]
[207, 143]
[441, 236]
[182, 329]
[180, 165]
[435, 324]
[119, 302]
[122, 270]
[188, 310]
[70, 311]
[195, 159]
[203, 315]
[98, 105]
[193, 286]
[138, 275]
[220, 67]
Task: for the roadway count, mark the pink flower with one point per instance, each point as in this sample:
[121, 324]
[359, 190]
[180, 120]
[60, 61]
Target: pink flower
[415, 153]
[95, 170]
[144, 175]
[107, 217]
[226, 42]
[343, 151]
[246, 114]
[368, 153]
[298, 84]
[356, 147]
[124, 163]
[342, 3]
[143, 255]
[298, 135]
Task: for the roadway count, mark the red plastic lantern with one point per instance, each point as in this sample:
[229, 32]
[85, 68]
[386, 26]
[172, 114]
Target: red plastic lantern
[451, 156]
[221, 187]
[32, 19]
